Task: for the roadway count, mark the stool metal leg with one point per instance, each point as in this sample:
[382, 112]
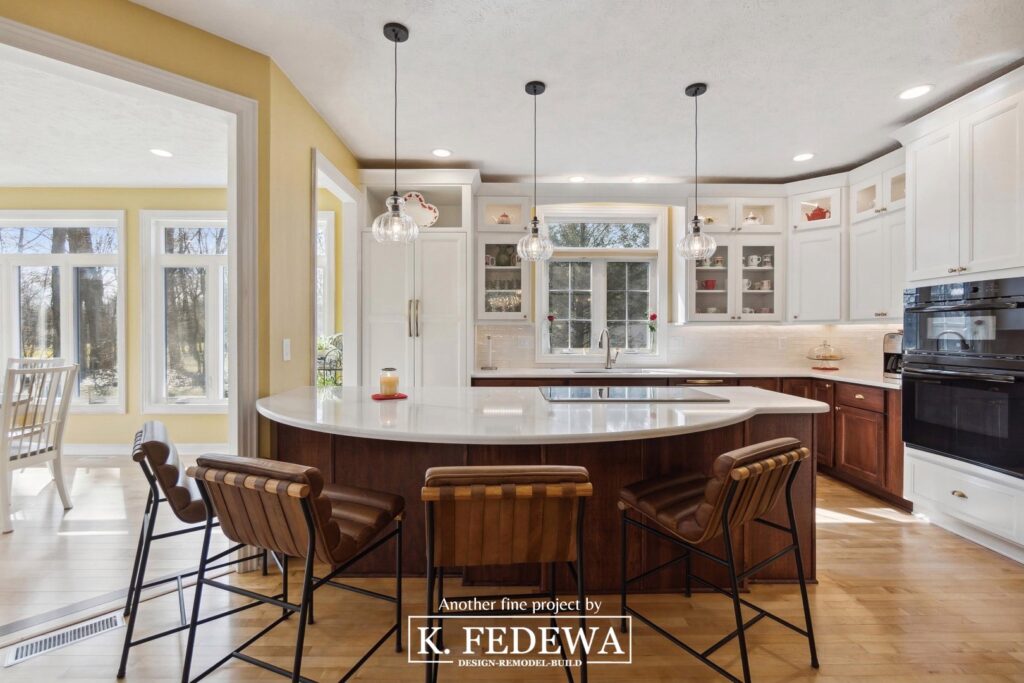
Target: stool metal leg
[622, 573]
[398, 587]
[731, 565]
[800, 574]
[688, 585]
[194, 622]
[136, 591]
[138, 555]
[440, 602]
[306, 604]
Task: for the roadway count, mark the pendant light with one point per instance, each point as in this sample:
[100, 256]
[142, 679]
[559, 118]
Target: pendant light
[696, 244]
[535, 246]
[395, 225]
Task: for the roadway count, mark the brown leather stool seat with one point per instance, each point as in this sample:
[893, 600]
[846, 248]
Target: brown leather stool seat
[287, 509]
[743, 486]
[154, 447]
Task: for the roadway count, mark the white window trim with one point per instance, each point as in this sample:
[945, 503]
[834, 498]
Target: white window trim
[151, 224]
[657, 216]
[45, 218]
[327, 262]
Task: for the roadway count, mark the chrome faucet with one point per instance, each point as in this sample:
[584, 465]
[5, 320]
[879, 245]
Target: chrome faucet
[605, 342]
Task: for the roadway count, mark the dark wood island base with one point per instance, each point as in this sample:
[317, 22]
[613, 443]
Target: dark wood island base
[399, 467]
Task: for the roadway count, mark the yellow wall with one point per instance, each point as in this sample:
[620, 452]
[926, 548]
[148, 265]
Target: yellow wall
[288, 128]
[328, 201]
[109, 428]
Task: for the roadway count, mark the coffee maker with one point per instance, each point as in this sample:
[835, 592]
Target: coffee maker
[892, 355]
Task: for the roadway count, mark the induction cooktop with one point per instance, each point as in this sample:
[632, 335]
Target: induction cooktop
[628, 395]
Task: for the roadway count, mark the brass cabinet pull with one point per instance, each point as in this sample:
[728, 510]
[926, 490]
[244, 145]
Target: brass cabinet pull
[838, 408]
[828, 386]
[950, 270]
[408, 316]
[705, 381]
[417, 317]
[859, 397]
[958, 493]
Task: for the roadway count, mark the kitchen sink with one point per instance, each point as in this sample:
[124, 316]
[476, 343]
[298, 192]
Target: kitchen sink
[637, 371]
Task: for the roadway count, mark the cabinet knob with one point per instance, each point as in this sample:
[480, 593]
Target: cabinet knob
[958, 493]
[951, 270]
[795, 317]
[961, 269]
[827, 385]
[739, 229]
[883, 209]
[838, 408]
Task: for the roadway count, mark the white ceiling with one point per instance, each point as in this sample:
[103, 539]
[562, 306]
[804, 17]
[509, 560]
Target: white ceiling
[784, 77]
[63, 126]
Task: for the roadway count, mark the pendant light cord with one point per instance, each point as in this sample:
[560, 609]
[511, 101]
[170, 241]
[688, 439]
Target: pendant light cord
[695, 183]
[396, 118]
[535, 162]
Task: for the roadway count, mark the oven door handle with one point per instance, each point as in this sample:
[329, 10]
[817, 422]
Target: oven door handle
[954, 374]
[981, 306]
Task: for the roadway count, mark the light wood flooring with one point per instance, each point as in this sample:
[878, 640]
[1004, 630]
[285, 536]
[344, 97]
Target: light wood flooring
[898, 600]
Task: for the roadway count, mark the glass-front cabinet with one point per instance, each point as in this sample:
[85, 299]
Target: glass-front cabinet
[738, 283]
[878, 194]
[503, 214]
[811, 210]
[741, 215]
[503, 280]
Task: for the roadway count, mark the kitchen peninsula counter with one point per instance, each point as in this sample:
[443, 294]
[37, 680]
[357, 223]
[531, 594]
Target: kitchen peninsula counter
[388, 445]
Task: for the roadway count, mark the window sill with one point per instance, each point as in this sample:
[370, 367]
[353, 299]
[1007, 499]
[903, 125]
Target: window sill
[185, 409]
[97, 409]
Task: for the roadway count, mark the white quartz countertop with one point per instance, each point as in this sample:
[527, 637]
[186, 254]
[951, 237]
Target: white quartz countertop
[514, 415]
[872, 378]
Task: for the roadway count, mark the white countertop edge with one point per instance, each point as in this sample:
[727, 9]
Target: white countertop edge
[865, 378]
[726, 416]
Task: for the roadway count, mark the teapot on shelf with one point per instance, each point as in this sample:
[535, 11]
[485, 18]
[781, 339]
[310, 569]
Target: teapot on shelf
[752, 219]
[818, 214]
[503, 219]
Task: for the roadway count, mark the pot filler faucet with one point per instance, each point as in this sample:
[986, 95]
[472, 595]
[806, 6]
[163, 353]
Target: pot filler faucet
[605, 342]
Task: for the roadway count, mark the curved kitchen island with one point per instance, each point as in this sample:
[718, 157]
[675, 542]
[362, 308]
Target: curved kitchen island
[388, 445]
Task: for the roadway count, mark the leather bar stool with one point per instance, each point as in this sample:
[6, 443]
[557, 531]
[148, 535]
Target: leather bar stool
[690, 509]
[493, 516]
[288, 509]
[168, 484]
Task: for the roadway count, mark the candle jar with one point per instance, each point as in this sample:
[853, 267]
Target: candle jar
[388, 382]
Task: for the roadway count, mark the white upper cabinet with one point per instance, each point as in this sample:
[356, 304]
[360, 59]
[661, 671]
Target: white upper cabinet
[992, 188]
[742, 215]
[719, 213]
[879, 194]
[933, 230]
[876, 268]
[504, 214]
[502, 279]
[814, 284]
[741, 282]
[965, 186]
[811, 210]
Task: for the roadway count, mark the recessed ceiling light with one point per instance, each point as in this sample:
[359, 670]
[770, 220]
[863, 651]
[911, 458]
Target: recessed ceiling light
[640, 179]
[441, 152]
[916, 91]
[577, 179]
[804, 156]
[161, 153]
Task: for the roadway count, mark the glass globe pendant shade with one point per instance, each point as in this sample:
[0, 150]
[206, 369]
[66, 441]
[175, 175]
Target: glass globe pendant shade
[395, 225]
[535, 246]
[696, 244]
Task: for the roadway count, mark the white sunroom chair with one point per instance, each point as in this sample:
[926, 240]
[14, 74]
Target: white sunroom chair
[33, 411]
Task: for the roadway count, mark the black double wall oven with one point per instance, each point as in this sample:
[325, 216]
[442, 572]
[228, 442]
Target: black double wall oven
[963, 374]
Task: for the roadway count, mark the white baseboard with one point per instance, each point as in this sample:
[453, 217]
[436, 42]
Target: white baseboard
[968, 531]
[126, 448]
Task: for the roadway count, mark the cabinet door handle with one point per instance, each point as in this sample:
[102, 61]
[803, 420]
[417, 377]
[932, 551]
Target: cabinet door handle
[882, 210]
[408, 316]
[838, 408]
[961, 269]
[958, 493]
[859, 397]
[795, 317]
[951, 270]
[705, 381]
[417, 317]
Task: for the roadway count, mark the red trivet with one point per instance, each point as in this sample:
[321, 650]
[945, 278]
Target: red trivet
[388, 397]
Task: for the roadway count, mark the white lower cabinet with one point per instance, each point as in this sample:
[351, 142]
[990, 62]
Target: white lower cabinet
[815, 275]
[876, 268]
[983, 505]
[415, 309]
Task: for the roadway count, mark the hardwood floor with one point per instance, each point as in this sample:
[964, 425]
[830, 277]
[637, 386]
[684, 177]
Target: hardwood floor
[898, 600]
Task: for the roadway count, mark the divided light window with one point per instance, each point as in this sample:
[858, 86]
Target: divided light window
[60, 296]
[186, 304]
[604, 274]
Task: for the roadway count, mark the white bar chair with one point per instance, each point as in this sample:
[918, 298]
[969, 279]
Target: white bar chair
[33, 412]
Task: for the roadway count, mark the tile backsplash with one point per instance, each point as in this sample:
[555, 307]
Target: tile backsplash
[713, 346]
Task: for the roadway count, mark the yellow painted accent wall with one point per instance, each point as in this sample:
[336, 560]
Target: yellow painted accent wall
[288, 128]
[328, 201]
[107, 428]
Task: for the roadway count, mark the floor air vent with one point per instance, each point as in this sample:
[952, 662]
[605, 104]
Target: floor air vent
[66, 636]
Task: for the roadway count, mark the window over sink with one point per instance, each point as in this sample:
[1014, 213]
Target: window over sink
[608, 272]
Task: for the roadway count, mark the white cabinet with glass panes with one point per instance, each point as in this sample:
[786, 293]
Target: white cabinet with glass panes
[503, 214]
[503, 280]
[879, 194]
[821, 209]
[740, 282]
[741, 215]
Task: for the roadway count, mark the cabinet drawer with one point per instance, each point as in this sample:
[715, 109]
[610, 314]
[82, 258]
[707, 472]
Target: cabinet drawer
[975, 500]
[865, 398]
[705, 381]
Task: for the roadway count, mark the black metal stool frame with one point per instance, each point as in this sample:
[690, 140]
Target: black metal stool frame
[729, 563]
[138, 581]
[305, 606]
[435, 578]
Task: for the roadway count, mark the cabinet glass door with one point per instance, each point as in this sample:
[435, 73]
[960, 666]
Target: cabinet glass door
[866, 199]
[501, 281]
[711, 286]
[757, 285]
[816, 209]
[894, 189]
[759, 215]
[718, 214]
